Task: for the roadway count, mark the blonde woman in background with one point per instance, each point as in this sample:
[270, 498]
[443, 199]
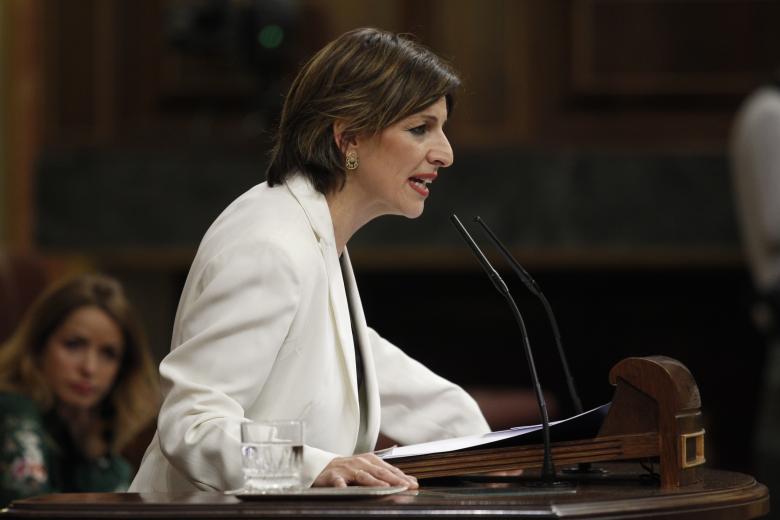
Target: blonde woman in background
[76, 385]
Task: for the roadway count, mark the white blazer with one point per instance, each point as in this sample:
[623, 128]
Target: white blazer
[263, 332]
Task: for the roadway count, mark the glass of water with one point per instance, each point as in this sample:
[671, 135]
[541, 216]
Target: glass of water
[271, 455]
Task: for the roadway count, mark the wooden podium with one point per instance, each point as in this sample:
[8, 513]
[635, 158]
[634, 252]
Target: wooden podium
[655, 416]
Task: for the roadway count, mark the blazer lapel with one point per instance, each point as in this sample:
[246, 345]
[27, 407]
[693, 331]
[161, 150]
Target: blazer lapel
[316, 208]
[340, 308]
[364, 343]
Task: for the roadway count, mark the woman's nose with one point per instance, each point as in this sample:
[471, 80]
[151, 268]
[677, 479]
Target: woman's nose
[89, 362]
[441, 153]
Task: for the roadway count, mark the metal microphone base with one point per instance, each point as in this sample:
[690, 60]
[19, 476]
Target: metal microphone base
[533, 483]
[562, 485]
[584, 469]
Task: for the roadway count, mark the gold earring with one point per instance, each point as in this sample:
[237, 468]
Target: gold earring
[352, 160]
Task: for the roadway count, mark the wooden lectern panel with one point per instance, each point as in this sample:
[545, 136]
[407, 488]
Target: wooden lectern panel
[719, 495]
[664, 390]
[655, 415]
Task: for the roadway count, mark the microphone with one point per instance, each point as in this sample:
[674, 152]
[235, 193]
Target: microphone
[532, 286]
[548, 468]
[583, 468]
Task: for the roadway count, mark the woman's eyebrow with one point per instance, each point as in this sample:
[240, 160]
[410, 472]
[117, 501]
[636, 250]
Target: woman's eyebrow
[430, 118]
[71, 332]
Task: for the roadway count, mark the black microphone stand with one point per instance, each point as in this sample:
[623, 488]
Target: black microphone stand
[548, 476]
[533, 287]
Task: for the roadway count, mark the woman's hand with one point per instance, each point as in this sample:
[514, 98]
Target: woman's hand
[365, 469]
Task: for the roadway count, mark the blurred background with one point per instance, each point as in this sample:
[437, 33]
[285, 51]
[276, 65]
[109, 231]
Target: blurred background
[592, 135]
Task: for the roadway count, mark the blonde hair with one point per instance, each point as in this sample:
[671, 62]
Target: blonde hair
[134, 395]
[367, 78]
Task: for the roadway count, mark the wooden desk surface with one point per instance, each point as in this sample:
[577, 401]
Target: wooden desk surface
[720, 495]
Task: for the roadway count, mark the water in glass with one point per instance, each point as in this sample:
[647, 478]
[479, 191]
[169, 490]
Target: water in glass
[271, 465]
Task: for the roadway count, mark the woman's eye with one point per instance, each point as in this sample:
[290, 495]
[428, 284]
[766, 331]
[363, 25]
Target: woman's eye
[418, 130]
[109, 354]
[73, 343]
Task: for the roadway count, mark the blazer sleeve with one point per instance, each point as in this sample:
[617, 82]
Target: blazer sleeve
[229, 334]
[418, 405]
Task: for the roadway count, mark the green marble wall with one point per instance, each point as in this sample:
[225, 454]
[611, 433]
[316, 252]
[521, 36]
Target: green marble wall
[98, 199]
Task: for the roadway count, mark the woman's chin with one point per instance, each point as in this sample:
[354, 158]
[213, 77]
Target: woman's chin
[80, 402]
[414, 212]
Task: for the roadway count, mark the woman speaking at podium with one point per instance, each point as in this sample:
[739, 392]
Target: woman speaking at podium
[270, 324]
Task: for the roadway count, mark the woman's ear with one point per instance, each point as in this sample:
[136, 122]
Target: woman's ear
[342, 142]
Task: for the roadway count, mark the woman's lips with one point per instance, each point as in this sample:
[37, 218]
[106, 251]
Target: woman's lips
[420, 182]
[419, 187]
[82, 388]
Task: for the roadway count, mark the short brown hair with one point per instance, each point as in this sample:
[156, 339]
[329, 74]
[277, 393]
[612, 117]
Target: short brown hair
[133, 398]
[367, 78]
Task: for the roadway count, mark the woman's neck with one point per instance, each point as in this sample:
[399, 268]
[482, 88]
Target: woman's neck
[85, 428]
[348, 212]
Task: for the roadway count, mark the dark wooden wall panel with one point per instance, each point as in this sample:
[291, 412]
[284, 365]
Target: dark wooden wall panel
[673, 47]
[70, 59]
[663, 74]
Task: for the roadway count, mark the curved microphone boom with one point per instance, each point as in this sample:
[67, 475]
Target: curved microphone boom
[532, 286]
[548, 468]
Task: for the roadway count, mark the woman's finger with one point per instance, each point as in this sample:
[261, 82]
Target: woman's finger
[412, 481]
[364, 478]
[388, 472]
[391, 477]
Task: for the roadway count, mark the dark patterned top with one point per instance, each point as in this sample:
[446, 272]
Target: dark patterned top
[38, 456]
